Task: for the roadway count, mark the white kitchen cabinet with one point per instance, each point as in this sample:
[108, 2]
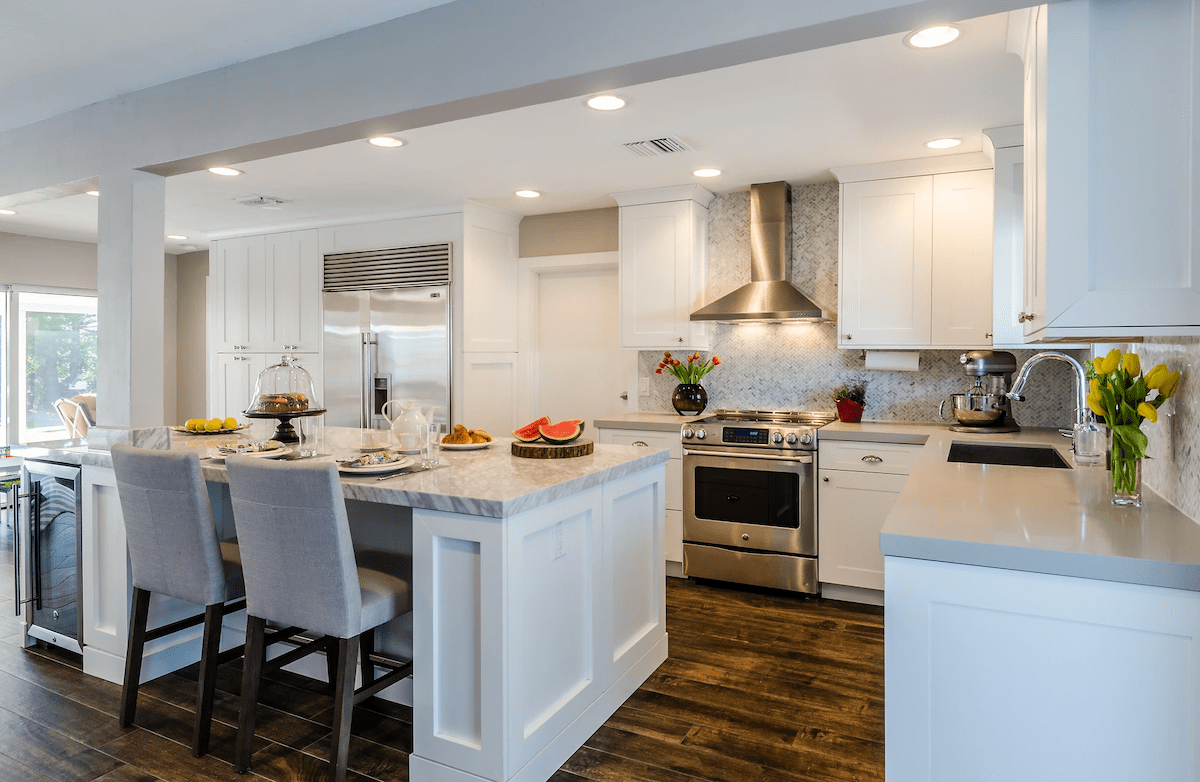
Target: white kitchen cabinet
[1111, 170]
[659, 440]
[858, 483]
[664, 251]
[916, 256]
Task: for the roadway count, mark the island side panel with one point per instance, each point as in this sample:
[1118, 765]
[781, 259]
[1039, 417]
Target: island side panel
[1003, 674]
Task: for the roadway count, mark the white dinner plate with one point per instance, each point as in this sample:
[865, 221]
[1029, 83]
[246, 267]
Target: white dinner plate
[464, 446]
[370, 469]
[275, 454]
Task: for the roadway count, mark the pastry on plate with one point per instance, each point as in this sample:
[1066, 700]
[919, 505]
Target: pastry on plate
[460, 436]
[479, 436]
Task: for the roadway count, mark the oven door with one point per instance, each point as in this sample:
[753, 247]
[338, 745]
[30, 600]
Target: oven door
[750, 501]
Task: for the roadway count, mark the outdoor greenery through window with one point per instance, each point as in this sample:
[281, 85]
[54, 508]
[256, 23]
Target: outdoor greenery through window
[57, 341]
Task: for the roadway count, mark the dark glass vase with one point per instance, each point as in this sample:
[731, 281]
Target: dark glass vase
[689, 398]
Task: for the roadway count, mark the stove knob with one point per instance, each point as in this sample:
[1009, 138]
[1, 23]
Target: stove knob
[791, 438]
[688, 433]
[701, 434]
[777, 438]
[806, 439]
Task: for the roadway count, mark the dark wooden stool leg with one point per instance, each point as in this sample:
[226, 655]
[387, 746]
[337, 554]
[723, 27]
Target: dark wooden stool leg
[210, 650]
[331, 664]
[366, 645]
[251, 674]
[133, 655]
[343, 706]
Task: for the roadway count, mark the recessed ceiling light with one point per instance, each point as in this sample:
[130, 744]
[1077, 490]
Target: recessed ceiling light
[94, 193]
[386, 141]
[929, 37]
[225, 171]
[177, 237]
[7, 212]
[606, 102]
[943, 143]
[528, 193]
[707, 172]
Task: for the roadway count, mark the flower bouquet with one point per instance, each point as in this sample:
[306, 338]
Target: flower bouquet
[1120, 392]
[690, 397]
[851, 399]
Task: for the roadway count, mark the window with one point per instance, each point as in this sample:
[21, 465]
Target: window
[56, 359]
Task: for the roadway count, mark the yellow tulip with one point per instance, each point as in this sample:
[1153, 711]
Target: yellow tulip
[1132, 364]
[1094, 385]
[1094, 403]
[1109, 363]
[1156, 376]
[1148, 411]
[1167, 389]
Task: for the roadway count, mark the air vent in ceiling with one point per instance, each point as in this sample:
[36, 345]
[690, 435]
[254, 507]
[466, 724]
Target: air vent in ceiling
[395, 267]
[657, 146]
[260, 200]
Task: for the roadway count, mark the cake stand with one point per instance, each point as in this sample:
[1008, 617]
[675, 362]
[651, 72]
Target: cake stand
[285, 432]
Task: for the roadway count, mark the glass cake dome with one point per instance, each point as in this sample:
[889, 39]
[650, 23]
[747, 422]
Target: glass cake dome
[284, 391]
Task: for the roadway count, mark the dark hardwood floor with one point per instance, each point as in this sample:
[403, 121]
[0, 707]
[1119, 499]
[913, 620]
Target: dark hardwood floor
[758, 686]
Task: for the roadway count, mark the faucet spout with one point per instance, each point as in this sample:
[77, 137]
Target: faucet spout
[1082, 413]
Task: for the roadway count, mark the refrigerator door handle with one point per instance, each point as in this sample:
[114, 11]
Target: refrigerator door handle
[12, 504]
[35, 524]
[367, 367]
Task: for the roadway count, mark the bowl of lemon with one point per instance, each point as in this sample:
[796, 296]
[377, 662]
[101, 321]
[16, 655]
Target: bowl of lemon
[210, 426]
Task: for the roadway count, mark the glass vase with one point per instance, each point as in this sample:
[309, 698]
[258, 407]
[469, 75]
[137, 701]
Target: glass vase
[689, 398]
[1126, 476]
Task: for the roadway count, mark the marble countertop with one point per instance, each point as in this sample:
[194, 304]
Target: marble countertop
[652, 422]
[489, 482]
[1053, 521]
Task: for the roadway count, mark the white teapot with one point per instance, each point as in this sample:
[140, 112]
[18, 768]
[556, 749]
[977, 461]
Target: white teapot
[408, 421]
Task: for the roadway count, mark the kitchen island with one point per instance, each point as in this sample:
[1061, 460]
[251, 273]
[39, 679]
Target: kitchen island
[538, 593]
[1034, 631]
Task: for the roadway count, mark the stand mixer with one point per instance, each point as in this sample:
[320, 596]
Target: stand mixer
[985, 408]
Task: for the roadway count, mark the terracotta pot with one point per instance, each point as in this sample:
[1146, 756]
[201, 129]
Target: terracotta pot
[849, 411]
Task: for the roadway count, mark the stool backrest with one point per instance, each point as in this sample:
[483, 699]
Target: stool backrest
[169, 529]
[297, 556]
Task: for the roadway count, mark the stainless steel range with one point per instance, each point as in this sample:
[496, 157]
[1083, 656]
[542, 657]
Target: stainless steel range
[750, 498]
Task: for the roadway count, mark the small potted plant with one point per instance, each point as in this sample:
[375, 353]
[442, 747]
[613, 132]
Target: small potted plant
[851, 398]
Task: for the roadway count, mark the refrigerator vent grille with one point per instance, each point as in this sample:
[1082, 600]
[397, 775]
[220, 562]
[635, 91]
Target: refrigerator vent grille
[396, 267]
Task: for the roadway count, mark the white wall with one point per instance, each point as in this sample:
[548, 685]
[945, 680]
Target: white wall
[31, 260]
[191, 280]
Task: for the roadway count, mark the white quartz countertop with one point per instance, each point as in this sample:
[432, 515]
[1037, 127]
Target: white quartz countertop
[653, 422]
[1041, 520]
[489, 482]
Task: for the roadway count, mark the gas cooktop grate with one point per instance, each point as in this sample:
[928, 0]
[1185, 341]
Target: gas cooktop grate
[806, 417]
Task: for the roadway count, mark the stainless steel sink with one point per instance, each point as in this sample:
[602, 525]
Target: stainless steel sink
[1014, 455]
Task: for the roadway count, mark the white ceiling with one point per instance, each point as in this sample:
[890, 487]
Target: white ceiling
[789, 118]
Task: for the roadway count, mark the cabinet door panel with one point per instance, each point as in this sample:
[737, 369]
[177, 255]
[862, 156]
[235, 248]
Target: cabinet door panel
[962, 259]
[852, 507]
[292, 264]
[240, 285]
[887, 229]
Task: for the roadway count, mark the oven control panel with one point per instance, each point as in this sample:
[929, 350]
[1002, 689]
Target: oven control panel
[745, 435]
[798, 438]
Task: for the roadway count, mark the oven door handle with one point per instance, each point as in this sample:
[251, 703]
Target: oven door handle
[805, 459]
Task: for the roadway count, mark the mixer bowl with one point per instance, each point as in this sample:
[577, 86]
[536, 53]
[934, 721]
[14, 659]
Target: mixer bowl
[978, 409]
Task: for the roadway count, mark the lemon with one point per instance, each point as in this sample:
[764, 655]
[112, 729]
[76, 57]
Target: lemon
[194, 424]
[214, 424]
[230, 423]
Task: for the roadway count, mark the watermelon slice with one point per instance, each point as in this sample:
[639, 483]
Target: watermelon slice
[529, 432]
[561, 432]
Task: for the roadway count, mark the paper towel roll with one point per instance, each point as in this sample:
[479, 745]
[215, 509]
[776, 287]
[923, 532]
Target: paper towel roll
[894, 360]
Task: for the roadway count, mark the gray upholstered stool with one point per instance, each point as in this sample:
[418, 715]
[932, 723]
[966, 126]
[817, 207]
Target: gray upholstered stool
[300, 569]
[173, 550]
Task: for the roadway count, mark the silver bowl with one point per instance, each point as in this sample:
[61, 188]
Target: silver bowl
[976, 409]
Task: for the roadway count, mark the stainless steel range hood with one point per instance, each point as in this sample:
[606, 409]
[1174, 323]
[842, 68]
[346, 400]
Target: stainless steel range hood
[768, 295]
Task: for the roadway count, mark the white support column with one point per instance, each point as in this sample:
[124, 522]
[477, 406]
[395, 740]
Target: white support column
[130, 279]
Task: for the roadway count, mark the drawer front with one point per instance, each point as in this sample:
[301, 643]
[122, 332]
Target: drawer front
[655, 440]
[894, 458]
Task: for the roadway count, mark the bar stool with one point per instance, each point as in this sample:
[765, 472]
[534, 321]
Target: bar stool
[300, 569]
[173, 550]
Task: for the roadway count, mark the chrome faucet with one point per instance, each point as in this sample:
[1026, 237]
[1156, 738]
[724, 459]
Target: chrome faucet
[1082, 413]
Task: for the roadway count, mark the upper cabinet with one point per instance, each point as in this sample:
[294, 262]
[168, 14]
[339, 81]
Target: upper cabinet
[1112, 169]
[916, 254]
[664, 250]
[268, 293]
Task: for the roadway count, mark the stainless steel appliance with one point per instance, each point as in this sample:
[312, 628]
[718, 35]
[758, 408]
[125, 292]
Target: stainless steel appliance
[985, 408]
[47, 546]
[387, 333]
[750, 498]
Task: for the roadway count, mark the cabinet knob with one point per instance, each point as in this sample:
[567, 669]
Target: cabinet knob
[745, 536]
[847, 336]
[680, 339]
[826, 479]
[1024, 316]
[871, 459]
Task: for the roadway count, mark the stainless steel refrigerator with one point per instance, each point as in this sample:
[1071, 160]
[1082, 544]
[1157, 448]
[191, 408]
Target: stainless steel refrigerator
[386, 344]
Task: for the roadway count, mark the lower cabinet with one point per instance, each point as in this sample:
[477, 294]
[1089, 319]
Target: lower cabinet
[858, 483]
[659, 440]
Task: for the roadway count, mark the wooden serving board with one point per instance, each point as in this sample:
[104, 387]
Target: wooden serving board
[551, 451]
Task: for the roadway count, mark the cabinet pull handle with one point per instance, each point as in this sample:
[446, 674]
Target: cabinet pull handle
[872, 459]
[987, 335]
[641, 443]
[1024, 316]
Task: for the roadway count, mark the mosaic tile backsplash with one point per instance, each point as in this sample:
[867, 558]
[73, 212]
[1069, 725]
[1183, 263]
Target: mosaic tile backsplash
[792, 366]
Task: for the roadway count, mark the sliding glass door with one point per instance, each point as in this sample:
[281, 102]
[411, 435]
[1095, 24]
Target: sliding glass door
[56, 359]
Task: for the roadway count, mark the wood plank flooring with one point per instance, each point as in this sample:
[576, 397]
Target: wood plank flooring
[758, 686]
